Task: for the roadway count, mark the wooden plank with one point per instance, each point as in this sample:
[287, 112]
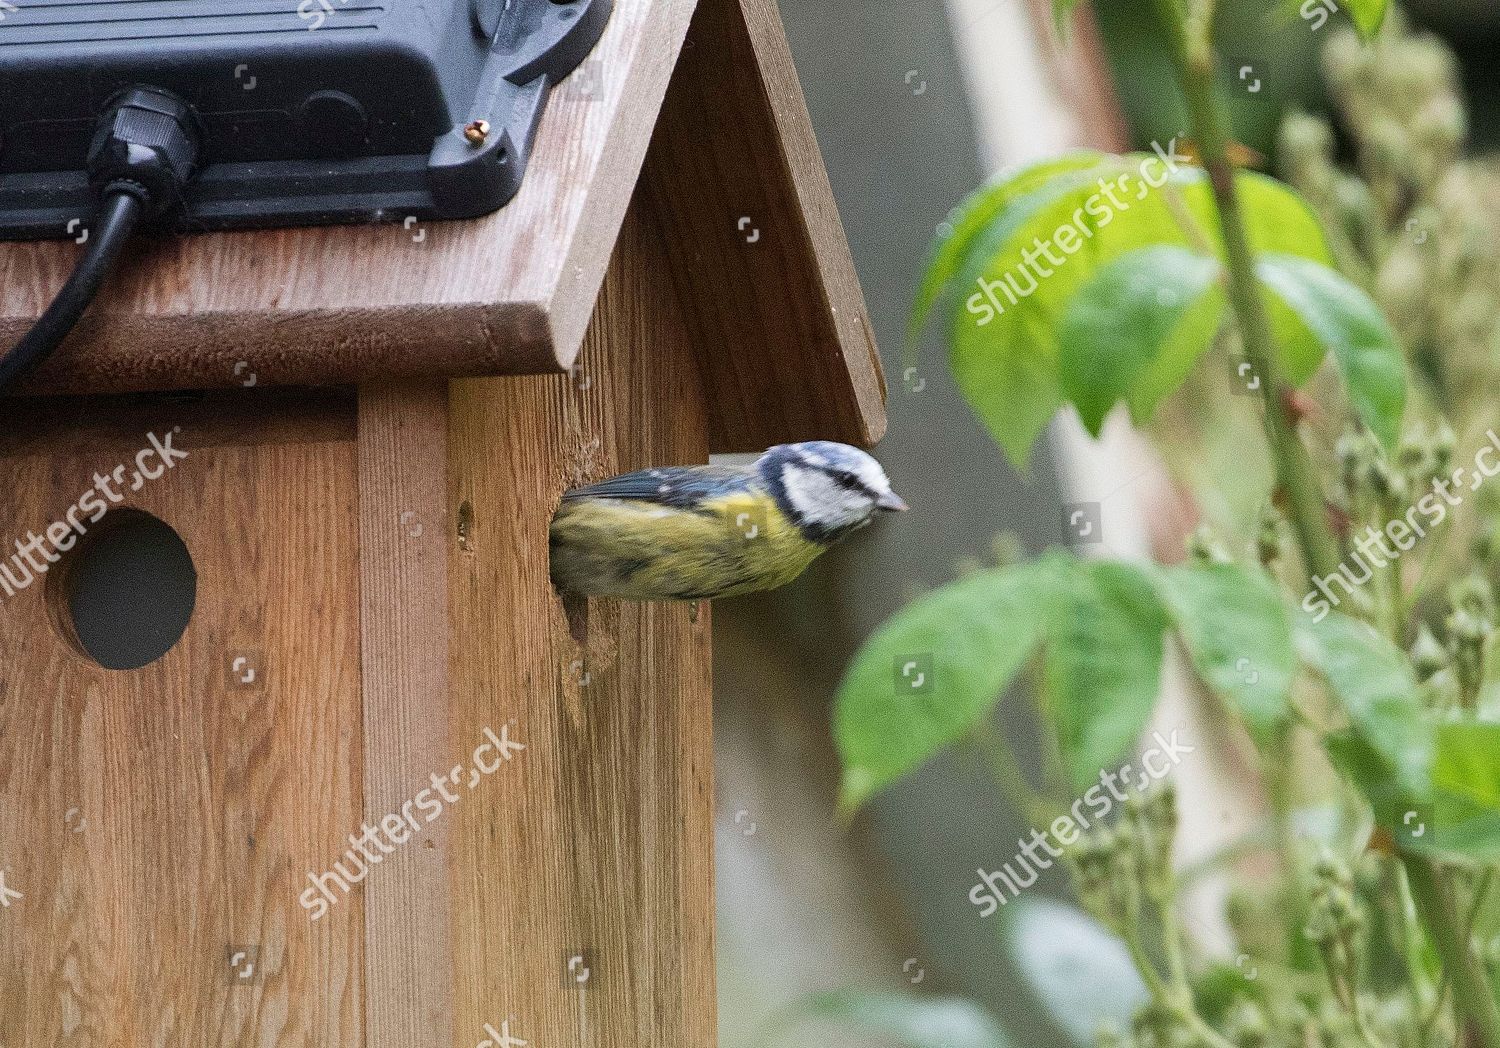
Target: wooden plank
[596, 843]
[76, 425]
[404, 541]
[510, 293]
[158, 819]
[755, 241]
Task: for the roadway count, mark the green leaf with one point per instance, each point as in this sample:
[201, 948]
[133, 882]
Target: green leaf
[973, 216]
[1021, 273]
[1371, 773]
[1467, 762]
[1238, 636]
[1079, 971]
[1194, 334]
[906, 1019]
[1342, 318]
[1103, 666]
[1374, 684]
[1124, 319]
[1466, 789]
[1005, 361]
[1219, 986]
[1278, 221]
[934, 671]
[1298, 349]
[1367, 15]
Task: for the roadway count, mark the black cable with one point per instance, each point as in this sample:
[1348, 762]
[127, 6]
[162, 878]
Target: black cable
[117, 220]
[144, 154]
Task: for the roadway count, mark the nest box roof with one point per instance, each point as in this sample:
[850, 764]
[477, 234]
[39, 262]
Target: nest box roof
[709, 124]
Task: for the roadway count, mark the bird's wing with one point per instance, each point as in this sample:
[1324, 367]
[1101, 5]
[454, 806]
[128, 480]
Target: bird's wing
[681, 487]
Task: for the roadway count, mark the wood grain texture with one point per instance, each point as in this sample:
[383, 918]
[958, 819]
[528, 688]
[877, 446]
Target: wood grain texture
[404, 546]
[598, 841]
[156, 819]
[77, 425]
[510, 293]
[780, 324]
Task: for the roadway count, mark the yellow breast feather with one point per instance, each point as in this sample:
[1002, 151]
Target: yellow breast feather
[734, 543]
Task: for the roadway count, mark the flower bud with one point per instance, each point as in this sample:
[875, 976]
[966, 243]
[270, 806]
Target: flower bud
[1473, 315]
[1306, 152]
[1443, 442]
[1345, 60]
[1431, 65]
[1388, 145]
[1331, 871]
[1205, 548]
[1248, 1026]
[1356, 452]
[1467, 632]
[1443, 124]
[1387, 484]
[1473, 593]
[1402, 285]
[1270, 538]
[1356, 211]
[1428, 656]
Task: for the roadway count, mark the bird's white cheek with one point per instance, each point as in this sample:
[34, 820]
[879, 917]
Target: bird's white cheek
[819, 499]
[811, 494]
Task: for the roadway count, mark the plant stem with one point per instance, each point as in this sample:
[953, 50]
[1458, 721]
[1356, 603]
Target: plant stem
[1470, 988]
[1172, 945]
[1481, 896]
[1481, 893]
[1006, 770]
[1176, 995]
[1411, 943]
[1129, 930]
[1395, 596]
[1356, 1006]
[1279, 769]
[1195, 67]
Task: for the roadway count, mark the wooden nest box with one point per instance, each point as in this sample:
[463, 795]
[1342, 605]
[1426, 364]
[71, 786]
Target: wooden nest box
[248, 841]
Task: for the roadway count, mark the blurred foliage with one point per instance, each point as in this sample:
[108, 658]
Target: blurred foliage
[905, 1019]
[1262, 34]
[1372, 938]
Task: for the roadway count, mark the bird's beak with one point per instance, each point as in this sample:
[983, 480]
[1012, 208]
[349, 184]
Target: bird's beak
[892, 502]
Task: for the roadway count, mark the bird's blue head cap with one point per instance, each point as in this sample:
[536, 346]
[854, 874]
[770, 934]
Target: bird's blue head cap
[827, 489]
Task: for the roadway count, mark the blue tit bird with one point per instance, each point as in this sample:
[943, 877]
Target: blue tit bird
[697, 532]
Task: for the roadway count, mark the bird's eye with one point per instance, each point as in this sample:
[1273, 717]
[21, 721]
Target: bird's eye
[849, 481]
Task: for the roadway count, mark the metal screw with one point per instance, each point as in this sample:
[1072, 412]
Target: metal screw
[477, 131]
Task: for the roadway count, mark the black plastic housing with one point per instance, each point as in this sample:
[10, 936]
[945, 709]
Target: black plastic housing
[310, 111]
